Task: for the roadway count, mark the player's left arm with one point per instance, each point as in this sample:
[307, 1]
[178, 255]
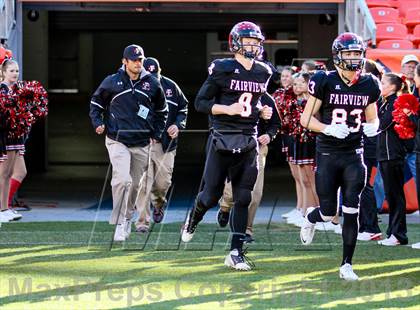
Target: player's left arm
[370, 128]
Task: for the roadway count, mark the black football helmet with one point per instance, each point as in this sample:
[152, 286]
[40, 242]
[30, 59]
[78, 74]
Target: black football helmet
[348, 42]
[245, 30]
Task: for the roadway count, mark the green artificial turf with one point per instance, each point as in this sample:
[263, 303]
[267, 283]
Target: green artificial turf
[71, 265]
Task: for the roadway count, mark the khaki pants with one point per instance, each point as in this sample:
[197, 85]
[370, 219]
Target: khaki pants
[129, 164]
[226, 202]
[155, 187]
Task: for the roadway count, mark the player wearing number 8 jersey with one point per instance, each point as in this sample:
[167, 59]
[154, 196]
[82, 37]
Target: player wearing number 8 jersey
[231, 96]
[345, 100]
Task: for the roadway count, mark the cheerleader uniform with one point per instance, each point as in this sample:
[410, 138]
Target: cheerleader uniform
[284, 100]
[303, 140]
[8, 143]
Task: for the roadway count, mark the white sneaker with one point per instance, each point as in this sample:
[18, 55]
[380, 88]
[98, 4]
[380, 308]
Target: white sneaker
[416, 246]
[391, 241]
[338, 229]
[417, 213]
[188, 230]
[367, 236]
[4, 217]
[325, 226]
[291, 213]
[13, 214]
[236, 260]
[347, 273]
[127, 228]
[307, 230]
[299, 221]
[119, 233]
[9, 215]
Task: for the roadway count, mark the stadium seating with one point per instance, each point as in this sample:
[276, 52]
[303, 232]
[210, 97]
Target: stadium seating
[406, 5]
[416, 35]
[381, 3]
[396, 44]
[385, 15]
[412, 17]
[390, 31]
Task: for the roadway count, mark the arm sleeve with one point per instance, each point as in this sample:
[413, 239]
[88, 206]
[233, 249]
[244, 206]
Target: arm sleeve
[99, 103]
[376, 90]
[316, 85]
[208, 91]
[386, 119]
[161, 113]
[274, 122]
[181, 117]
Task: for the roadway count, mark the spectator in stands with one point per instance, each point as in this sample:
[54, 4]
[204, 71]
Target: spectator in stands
[408, 65]
[390, 152]
[368, 214]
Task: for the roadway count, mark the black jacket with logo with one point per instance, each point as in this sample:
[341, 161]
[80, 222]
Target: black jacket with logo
[178, 110]
[132, 111]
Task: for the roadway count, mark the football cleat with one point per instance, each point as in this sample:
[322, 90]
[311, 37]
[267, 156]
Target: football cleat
[222, 218]
[347, 273]
[188, 229]
[236, 259]
[307, 231]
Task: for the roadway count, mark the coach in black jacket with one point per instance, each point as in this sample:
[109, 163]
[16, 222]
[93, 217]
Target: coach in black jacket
[130, 107]
[159, 175]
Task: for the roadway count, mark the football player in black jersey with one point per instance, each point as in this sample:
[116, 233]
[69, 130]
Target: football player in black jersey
[231, 96]
[345, 100]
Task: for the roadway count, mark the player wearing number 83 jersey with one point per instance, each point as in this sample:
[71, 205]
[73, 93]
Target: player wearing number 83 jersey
[343, 104]
[345, 100]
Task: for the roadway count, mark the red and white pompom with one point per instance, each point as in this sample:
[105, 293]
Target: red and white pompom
[404, 127]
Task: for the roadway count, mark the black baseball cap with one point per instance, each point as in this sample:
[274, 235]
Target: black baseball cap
[152, 65]
[133, 52]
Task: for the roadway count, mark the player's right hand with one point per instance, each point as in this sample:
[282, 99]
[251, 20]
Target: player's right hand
[339, 131]
[100, 129]
[235, 109]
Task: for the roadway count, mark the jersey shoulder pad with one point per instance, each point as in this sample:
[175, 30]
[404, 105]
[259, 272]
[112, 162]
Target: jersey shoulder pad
[264, 66]
[222, 65]
[317, 83]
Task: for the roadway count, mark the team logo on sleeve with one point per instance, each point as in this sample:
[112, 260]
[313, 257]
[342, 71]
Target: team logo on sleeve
[169, 92]
[145, 86]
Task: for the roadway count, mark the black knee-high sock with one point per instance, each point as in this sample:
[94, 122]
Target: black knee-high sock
[198, 211]
[315, 216]
[238, 221]
[350, 229]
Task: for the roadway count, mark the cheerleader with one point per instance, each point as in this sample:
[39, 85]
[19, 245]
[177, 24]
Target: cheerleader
[303, 145]
[285, 99]
[9, 146]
